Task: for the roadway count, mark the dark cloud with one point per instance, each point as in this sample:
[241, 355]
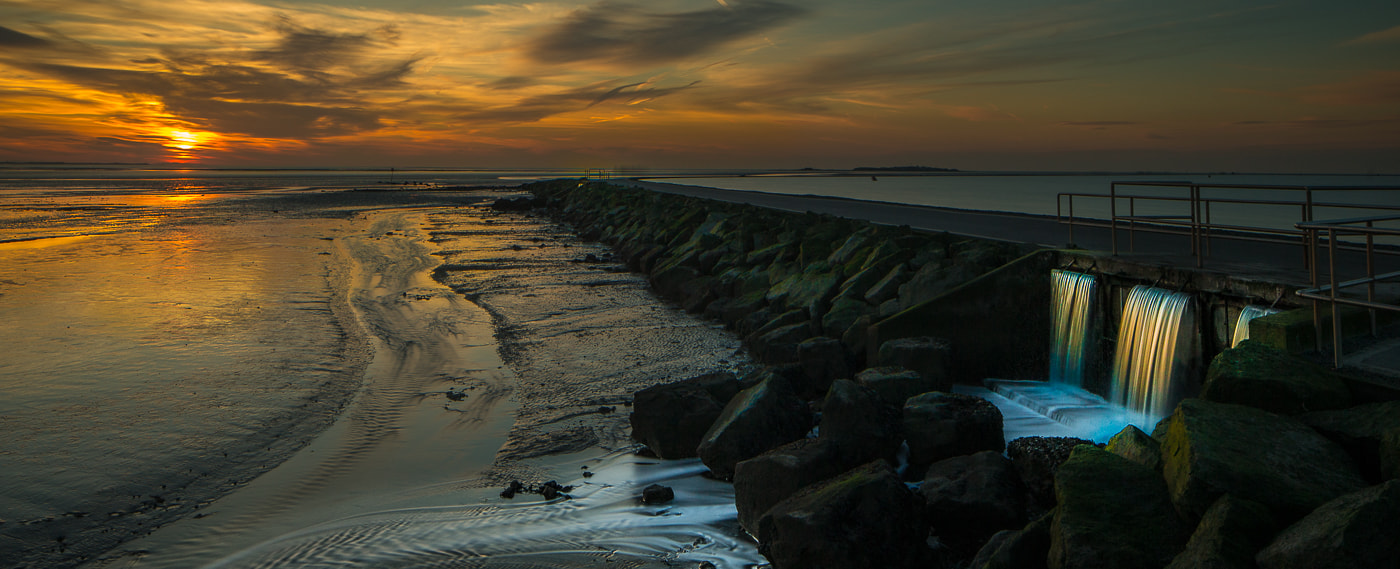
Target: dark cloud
[313, 83]
[12, 39]
[511, 83]
[627, 34]
[532, 109]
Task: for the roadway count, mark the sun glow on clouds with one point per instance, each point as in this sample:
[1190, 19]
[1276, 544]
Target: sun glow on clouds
[219, 81]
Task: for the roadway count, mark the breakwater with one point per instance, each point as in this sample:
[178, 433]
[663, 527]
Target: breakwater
[785, 282]
[1275, 455]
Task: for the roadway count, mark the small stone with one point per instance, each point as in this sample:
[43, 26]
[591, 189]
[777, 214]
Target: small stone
[657, 494]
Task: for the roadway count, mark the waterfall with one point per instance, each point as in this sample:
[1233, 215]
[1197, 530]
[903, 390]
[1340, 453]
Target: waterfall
[1242, 325]
[1156, 343]
[1071, 318]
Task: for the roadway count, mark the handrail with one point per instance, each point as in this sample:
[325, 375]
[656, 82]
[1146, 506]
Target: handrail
[1346, 227]
[1197, 222]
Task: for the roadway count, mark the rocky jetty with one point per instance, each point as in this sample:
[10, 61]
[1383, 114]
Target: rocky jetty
[1275, 465]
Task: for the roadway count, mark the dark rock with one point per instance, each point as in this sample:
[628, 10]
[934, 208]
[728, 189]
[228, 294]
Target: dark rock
[771, 477]
[671, 419]
[670, 281]
[854, 288]
[1390, 454]
[894, 385]
[843, 314]
[934, 279]
[1358, 430]
[1212, 449]
[887, 288]
[1228, 537]
[863, 518]
[783, 320]
[822, 361]
[1037, 459]
[971, 497]
[1112, 512]
[1256, 375]
[1354, 531]
[941, 425]
[1025, 548]
[859, 423]
[657, 494]
[928, 356]
[511, 490]
[757, 419]
[780, 345]
[522, 203]
[1133, 444]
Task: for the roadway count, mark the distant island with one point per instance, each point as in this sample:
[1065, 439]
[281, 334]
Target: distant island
[902, 169]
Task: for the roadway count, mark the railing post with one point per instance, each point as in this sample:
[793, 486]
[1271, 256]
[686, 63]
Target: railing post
[1332, 292]
[1113, 216]
[1196, 224]
[1311, 237]
[1071, 218]
[1371, 274]
[1132, 224]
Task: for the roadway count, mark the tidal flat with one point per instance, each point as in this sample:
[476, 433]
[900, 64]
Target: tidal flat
[463, 349]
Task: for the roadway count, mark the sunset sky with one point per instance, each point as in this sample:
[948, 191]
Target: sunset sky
[1289, 86]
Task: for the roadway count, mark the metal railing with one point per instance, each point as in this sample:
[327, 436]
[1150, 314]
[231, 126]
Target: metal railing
[1196, 221]
[1335, 229]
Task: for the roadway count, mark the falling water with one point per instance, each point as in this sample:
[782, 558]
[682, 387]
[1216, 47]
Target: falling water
[1156, 344]
[1071, 315]
[1242, 325]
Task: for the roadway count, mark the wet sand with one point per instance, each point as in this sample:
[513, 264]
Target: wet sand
[539, 354]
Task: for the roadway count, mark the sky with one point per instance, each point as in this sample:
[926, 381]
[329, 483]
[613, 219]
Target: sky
[1122, 85]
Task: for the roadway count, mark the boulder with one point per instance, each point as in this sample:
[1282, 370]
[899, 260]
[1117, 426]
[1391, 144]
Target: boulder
[928, 356]
[844, 313]
[780, 344]
[854, 288]
[1358, 430]
[934, 279]
[1390, 454]
[771, 477]
[672, 279]
[971, 497]
[1112, 512]
[759, 418]
[1133, 444]
[941, 425]
[1229, 535]
[859, 422]
[887, 288]
[1256, 375]
[1210, 449]
[1025, 548]
[672, 418]
[894, 385]
[863, 518]
[822, 360]
[1355, 531]
[1037, 459]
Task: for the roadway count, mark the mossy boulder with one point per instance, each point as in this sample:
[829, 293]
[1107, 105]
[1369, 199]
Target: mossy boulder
[894, 384]
[1390, 454]
[1133, 444]
[779, 345]
[1229, 535]
[1354, 531]
[1359, 430]
[769, 478]
[672, 418]
[940, 425]
[1256, 375]
[759, 418]
[1112, 512]
[1037, 459]
[866, 517]
[927, 355]
[971, 497]
[1210, 449]
[859, 422]
[822, 360]
[843, 314]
